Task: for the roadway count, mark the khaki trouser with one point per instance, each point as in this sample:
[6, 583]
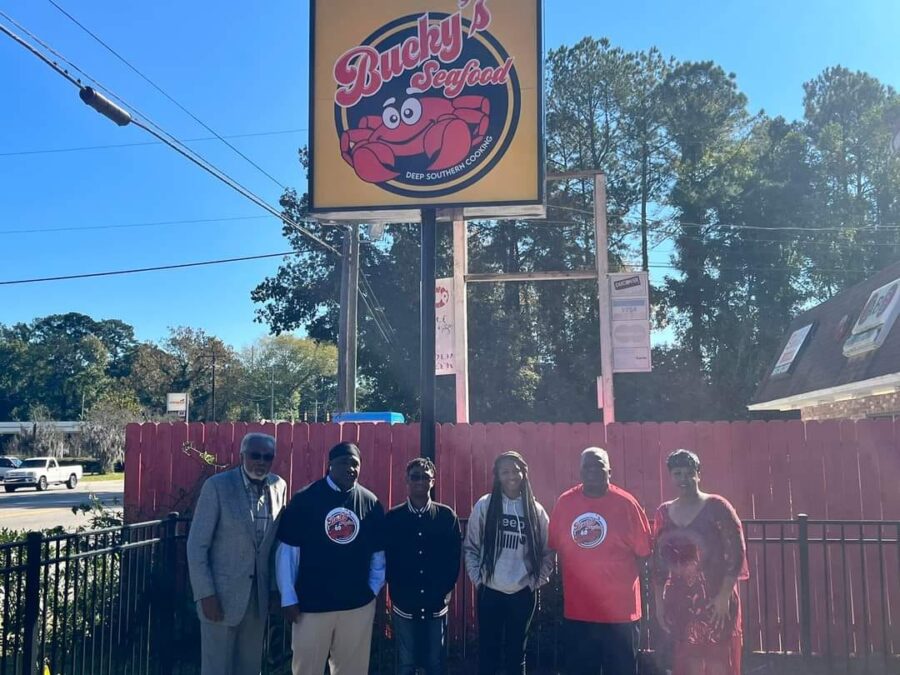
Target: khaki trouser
[345, 635]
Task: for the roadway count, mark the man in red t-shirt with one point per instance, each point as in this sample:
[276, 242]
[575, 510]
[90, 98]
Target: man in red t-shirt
[600, 534]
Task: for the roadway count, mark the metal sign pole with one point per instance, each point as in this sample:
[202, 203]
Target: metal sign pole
[606, 351]
[427, 332]
[460, 319]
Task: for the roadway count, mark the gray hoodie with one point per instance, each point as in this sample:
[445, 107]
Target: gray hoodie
[511, 573]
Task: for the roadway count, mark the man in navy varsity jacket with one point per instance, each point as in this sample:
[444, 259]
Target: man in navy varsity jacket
[422, 548]
[330, 568]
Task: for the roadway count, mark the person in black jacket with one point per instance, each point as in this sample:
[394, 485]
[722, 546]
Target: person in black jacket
[330, 567]
[422, 551]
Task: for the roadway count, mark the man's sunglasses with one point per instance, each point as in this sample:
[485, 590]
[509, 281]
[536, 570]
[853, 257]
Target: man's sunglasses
[420, 476]
[257, 456]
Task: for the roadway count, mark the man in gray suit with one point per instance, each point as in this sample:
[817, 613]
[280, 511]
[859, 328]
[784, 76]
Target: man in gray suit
[229, 552]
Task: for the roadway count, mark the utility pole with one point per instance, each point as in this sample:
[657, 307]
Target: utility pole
[272, 393]
[214, 354]
[348, 323]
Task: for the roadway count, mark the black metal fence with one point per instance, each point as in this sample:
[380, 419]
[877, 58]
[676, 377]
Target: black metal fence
[827, 591]
[93, 603]
[824, 596]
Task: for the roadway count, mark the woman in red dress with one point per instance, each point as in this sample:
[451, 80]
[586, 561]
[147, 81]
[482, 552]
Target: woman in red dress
[698, 557]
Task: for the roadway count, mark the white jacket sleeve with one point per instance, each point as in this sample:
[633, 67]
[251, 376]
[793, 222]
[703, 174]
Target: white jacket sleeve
[287, 564]
[474, 541]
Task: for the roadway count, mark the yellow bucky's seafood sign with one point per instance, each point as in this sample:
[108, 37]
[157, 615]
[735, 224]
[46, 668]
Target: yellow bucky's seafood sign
[418, 103]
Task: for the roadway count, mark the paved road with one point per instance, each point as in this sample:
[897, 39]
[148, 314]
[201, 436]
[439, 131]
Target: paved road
[27, 509]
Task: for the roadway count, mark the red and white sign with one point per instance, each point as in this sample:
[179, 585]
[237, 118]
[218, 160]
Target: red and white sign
[444, 328]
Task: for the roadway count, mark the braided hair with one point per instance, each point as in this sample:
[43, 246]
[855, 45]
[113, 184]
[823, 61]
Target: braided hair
[492, 544]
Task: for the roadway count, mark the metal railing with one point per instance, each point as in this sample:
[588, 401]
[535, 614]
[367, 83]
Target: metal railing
[826, 590]
[93, 603]
[117, 601]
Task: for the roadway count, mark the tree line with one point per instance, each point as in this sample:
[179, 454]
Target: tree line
[742, 218]
[73, 367]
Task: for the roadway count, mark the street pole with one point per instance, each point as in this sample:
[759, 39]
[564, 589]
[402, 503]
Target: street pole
[272, 393]
[348, 322]
[606, 352]
[427, 331]
[213, 416]
[460, 319]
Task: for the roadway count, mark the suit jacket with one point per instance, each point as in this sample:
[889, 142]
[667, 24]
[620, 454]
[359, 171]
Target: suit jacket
[221, 549]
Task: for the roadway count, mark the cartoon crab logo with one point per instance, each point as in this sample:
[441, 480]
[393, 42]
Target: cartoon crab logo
[341, 525]
[442, 297]
[589, 530]
[442, 131]
[428, 103]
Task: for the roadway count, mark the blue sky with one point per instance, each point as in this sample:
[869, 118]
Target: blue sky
[242, 68]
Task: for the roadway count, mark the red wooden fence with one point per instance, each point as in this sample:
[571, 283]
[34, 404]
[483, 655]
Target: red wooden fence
[769, 470]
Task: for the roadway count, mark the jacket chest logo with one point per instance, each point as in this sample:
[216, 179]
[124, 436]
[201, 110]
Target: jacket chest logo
[341, 525]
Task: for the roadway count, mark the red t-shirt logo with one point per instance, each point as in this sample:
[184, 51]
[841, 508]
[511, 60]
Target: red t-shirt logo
[589, 530]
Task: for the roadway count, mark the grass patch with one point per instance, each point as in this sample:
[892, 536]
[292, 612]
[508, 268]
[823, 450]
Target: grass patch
[96, 478]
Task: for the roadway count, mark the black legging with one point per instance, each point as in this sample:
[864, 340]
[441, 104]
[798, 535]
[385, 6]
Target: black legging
[503, 623]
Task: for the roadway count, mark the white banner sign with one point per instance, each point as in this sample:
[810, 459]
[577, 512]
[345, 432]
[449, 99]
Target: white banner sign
[444, 331]
[176, 403]
[629, 296]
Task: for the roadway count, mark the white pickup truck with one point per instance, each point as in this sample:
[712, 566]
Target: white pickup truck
[40, 473]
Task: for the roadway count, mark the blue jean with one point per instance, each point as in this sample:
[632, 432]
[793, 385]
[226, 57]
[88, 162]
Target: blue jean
[420, 643]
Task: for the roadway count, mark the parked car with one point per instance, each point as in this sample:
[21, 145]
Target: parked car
[42, 472]
[7, 464]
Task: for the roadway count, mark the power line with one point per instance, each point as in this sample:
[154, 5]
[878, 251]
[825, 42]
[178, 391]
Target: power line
[713, 268]
[163, 136]
[20, 153]
[225, 178]
[155, 130]
[166, 138]
[75, 228]
[59, 69]
[798, 242]
[164, 93]
[376, 310]
[790, 228]
[139, 270]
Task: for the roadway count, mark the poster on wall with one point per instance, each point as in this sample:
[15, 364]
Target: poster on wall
[421, 103]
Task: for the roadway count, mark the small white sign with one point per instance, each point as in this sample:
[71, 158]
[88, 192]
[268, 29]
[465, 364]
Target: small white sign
[627, 284]
[790, 351]
[444, 329]
[880, 308]
[629, 296]
[176, 403]
[632, 360]
[631, 346]
[630, 309]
